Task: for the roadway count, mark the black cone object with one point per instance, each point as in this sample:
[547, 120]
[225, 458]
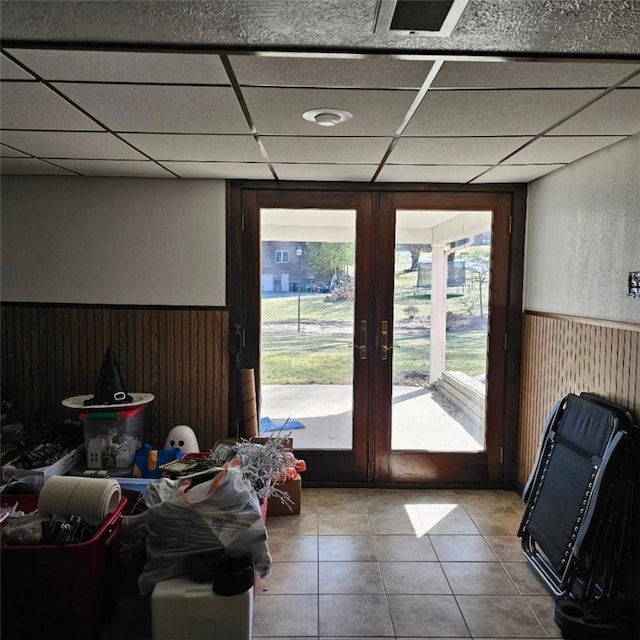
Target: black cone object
[110, 387]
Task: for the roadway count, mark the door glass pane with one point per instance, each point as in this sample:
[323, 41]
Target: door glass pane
[307, 310]
[441, 285]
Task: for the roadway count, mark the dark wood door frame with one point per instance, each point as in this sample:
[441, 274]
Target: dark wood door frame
[244, 198]
[445, 467]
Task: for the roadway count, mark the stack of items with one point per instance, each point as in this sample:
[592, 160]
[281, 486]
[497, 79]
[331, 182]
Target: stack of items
[205, 540]
[113, 420]
[272, 468]
[580, 527]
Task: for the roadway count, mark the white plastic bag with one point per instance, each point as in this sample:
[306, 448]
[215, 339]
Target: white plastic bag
[220, 514]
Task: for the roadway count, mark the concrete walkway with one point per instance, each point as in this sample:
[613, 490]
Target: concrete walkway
[422, 419]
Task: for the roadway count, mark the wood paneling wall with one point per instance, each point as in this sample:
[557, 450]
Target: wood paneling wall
[51, 352]
[562, 355]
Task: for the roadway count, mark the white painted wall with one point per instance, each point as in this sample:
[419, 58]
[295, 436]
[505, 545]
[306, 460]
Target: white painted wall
[113, 240]
[583, 236]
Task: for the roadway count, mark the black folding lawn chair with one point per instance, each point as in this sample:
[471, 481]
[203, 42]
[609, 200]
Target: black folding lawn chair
[580, 529]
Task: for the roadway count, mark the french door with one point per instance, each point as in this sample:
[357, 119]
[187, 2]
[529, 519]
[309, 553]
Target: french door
[356, 354]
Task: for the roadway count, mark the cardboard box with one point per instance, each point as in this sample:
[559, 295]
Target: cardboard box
[294, 489]
[59, 468]
[287, 443]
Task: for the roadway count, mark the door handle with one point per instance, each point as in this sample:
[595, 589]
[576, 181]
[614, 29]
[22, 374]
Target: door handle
[362, 347]
[384, 340]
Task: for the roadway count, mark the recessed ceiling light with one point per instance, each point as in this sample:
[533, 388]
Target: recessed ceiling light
[327, 117]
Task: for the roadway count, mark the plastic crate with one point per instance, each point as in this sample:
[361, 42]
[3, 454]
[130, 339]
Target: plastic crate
[111, 438]
[60, 591]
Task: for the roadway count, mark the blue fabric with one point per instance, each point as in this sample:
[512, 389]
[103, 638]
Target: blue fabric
[267, 426]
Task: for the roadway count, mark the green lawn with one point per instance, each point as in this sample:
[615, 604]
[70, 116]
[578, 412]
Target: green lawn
[320, 353]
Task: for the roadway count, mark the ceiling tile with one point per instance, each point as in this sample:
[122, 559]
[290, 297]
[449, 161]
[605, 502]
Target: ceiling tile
[493, 113]
[531, 74]
[561, 149]
[31, 105]
[617, 113]
[516, 173]
[8, 152]
[381, 72]
[279, 111]
[123, 66]
[221, 170]
[324, 150]
[30, 166]
[168, 109]
[138, 168]
[70, 144]
[454, 150]
[634, 82]
[337, 172]
[429, 173]
[196, 147]
[9, 70]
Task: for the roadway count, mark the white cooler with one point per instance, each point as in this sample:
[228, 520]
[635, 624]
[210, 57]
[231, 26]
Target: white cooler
[182, 608]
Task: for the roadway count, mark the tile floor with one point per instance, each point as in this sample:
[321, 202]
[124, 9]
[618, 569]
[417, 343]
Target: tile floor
[375, 563]
[384, 563]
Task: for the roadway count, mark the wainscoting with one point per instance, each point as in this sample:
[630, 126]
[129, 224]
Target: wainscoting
[54, 351]
[51, 352]
[560, 355]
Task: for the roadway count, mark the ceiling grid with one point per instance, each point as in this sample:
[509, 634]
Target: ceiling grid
[91, 107]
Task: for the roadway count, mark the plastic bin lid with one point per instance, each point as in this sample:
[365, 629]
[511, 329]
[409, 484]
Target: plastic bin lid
[110, 414]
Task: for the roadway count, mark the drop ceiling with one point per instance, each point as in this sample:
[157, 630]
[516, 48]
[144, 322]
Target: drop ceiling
[89, 91]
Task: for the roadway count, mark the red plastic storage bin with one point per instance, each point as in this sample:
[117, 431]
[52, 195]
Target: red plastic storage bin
[60, 591]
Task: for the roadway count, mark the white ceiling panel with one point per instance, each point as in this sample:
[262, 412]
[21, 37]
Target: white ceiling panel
[367, 72]
[532, 75]
[8, 152]
[454, 150]
[29, 105]
[220, 170]
[9, 70]
[30, 166]
[375, 113]
[124, 168]
[494, 113]
[517, 173]
[70, 144]
[160, 108]
[617, 113]
[338, 172]
[123, 66]
[561, 149]
[633, 82]
[325, 150]
[197, 148]
[429, 173]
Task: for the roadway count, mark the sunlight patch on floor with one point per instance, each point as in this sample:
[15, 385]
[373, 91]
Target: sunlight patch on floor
[428, 517]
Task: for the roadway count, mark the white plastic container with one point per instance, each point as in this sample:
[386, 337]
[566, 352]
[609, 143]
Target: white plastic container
[13, 470]
[181, 608]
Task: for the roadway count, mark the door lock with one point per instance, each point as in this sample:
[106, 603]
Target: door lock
[384, 340]
[362, 347]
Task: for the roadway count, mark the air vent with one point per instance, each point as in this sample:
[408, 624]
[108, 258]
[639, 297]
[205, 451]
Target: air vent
[419, 17]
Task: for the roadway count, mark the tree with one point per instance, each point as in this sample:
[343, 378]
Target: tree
[477, 265]
[329, 259]
[414, 250]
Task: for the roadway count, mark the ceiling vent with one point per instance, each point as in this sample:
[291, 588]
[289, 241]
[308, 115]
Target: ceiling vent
[419, 17]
